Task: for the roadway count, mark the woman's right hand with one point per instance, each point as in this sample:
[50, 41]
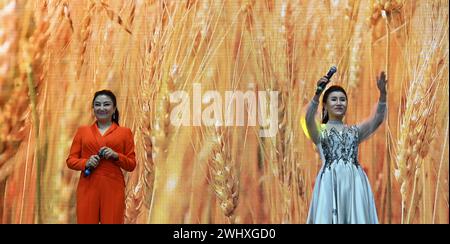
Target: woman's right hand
[321, 84]
[93, 161]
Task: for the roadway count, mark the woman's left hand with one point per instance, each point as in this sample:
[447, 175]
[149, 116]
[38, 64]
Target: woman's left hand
[108, 153]
[381, 82]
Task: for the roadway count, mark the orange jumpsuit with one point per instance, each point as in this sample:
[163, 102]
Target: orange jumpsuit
[101, 195]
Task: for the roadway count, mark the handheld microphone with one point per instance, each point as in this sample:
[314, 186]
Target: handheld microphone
[331, 72]
[88, 170]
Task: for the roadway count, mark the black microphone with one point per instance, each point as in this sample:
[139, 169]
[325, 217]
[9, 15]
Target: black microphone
[331, 72]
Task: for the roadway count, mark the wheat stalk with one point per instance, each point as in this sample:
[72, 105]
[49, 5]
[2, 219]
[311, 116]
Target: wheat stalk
[356, 45]
[10, 122]
[413, 139]
[441, 161]
[224, 178]
[331, 46]
[417, 128]
[280, 72]
[388, 6]
[66, 12]
[132, 13]
[166, 72]
[113, 16]
[85, 33]
[134, 203]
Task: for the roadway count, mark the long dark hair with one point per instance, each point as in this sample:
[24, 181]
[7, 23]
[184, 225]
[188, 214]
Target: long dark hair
[115, 116]
[331, 89]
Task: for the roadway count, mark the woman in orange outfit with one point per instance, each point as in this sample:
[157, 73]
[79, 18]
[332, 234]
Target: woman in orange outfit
[104, 148]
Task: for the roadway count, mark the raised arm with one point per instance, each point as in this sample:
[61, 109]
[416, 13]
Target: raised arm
[366, 128]
[311, 124]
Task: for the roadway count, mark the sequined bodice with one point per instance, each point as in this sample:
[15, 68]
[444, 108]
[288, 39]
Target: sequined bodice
[340, 146]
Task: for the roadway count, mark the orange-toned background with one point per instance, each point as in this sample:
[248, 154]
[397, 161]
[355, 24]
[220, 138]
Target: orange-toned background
[55, 54]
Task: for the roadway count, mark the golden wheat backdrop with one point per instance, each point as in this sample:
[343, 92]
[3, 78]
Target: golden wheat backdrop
[55, 54]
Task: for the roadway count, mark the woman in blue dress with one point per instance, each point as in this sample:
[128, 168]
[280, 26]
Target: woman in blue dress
[342, 193]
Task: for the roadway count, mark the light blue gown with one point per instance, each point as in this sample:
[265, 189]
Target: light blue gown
[342, 193]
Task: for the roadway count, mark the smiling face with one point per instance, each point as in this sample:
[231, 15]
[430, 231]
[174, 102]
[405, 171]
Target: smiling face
[336, 105]
[103, 108]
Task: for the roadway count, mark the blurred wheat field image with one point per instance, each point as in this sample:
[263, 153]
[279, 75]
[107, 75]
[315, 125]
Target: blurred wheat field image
[54, 55]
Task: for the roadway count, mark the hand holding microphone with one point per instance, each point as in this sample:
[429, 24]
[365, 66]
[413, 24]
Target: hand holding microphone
[91, 164]
[94, 160]
[322, 83]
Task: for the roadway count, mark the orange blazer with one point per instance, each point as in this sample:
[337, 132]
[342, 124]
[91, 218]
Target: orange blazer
[88, 141]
